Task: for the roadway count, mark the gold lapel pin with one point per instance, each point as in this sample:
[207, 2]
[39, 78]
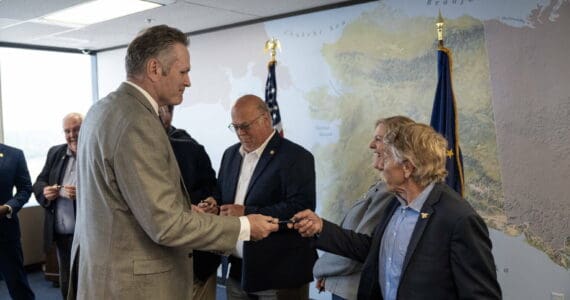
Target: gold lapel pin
[424, 215]
[272, 152]
[1, 154]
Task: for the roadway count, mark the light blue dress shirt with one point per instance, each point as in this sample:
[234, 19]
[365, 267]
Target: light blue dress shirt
[395, 241]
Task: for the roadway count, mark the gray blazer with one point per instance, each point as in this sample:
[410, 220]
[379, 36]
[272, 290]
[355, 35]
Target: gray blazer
[135, 229]
[342, 274]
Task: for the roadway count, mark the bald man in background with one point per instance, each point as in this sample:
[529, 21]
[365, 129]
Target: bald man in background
[55, 190]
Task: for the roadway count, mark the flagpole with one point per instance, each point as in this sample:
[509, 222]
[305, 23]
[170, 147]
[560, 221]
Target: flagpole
[439, 25]
[272, 45]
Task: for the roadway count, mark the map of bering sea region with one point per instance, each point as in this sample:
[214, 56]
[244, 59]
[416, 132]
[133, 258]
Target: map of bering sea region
[384, 64]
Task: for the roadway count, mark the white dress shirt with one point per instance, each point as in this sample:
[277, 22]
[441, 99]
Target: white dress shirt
[248, 164]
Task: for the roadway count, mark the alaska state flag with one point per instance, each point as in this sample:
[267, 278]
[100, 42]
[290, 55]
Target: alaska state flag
[271, 97]
[444, 120]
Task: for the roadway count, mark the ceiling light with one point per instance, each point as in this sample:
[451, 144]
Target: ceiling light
[97, 11]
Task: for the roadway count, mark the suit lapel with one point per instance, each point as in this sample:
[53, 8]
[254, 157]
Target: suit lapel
[425, 215]
[60, 164]
[268, 153]
[3, 155]
[235, 166]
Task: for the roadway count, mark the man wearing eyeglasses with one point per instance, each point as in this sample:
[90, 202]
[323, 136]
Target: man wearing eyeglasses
[267, 174]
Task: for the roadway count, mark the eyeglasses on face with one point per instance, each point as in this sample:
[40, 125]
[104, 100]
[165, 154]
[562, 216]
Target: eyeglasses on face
[243, 126]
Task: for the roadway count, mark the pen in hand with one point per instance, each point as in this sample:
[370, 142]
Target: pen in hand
[290, 221]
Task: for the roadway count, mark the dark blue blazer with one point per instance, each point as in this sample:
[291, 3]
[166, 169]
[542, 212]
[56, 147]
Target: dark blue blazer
[449, 255]
[282, 184]
[52, 173]
[13, 173]
[200, 181]
[195, 166]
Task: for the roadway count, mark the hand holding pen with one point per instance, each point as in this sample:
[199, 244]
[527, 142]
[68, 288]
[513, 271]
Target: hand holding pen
[209, 205]
[51, 192]
[69, 191]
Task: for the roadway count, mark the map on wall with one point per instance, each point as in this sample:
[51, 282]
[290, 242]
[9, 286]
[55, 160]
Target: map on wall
[383, 63]
[341, 70]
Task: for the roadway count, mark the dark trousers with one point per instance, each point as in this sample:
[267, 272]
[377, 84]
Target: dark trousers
[337, 297]
[12, 269]
[63, 243]
[235, 292]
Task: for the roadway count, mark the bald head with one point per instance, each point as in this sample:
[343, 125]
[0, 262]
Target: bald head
[250, 102]
[75, 116]
[250, 117]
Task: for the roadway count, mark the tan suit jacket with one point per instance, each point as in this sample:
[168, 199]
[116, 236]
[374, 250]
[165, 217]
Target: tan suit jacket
[135, 229]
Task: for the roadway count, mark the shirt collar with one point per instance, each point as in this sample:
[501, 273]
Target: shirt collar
[259, 150]
[418, 203]
[146, 95]
[68, 152]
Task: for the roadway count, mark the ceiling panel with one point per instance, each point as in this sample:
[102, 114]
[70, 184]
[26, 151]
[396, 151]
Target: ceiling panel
[184, 16]
[29, 31]
[264, 7]
[19, 24]
[28, 9]
[7, 22]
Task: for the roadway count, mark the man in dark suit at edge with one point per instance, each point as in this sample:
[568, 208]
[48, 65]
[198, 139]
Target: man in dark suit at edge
[14, 173]
[267, 174]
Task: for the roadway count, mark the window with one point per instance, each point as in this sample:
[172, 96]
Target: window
[38, 88]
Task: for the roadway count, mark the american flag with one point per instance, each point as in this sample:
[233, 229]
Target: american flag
[271, 97]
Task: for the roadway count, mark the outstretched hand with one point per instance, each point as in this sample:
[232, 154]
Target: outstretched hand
[261, 226]
[307, 223]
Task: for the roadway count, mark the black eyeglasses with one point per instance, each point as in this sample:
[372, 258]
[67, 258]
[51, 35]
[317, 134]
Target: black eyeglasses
[243, 126]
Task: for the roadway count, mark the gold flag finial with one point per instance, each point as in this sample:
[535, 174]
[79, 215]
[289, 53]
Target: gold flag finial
[439, 25]
[272, 45]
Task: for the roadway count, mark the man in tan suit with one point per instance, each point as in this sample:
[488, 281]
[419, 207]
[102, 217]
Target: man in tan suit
[135, 229]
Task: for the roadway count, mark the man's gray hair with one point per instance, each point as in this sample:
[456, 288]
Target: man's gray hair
[73, 115]
[154, 42]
